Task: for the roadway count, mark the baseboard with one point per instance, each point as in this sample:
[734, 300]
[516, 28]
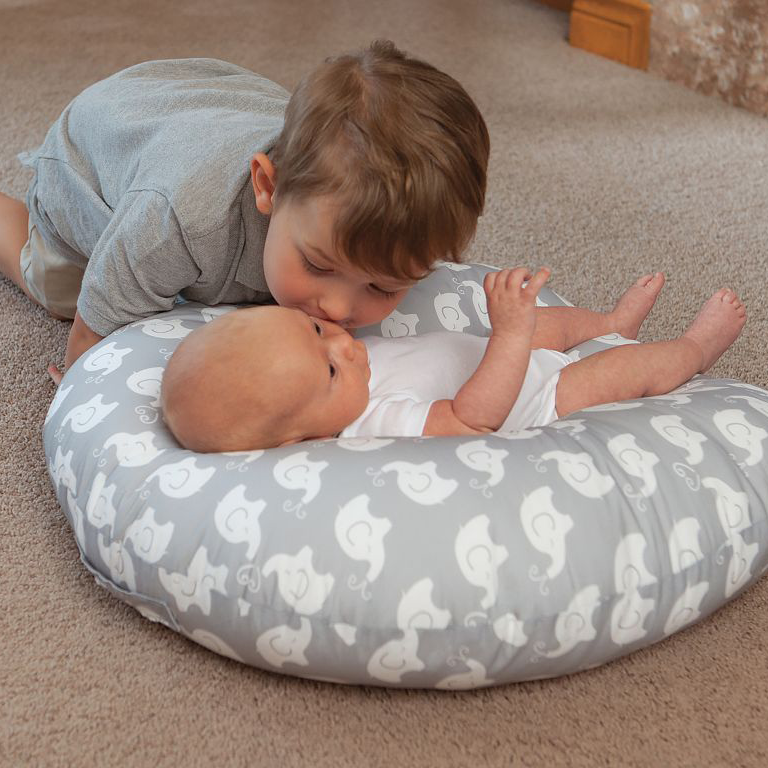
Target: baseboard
[617, 29]
[561, 5]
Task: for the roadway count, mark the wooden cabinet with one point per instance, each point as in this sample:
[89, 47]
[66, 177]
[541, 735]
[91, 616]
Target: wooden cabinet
[617, 29]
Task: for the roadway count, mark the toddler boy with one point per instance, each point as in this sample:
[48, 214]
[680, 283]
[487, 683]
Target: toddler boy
[200, 179]
[269, 376]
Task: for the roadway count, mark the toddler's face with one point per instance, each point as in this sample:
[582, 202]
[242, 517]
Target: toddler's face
[333, 370]
[304, 273]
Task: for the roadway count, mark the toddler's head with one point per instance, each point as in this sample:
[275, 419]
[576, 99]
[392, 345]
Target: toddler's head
[262, 377]
[379, 171]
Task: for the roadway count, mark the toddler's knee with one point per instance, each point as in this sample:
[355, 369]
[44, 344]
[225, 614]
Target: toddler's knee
[59, 317]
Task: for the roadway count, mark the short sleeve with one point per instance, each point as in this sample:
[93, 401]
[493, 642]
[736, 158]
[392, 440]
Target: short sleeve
[392, 415]
[138, 266]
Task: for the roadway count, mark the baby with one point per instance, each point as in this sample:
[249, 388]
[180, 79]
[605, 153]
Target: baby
[268, 376]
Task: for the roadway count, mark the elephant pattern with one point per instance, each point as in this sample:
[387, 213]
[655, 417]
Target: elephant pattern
[448, 563]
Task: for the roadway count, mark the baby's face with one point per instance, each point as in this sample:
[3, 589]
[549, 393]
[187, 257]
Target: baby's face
[303, 272]
[331, 372]
[261, 377]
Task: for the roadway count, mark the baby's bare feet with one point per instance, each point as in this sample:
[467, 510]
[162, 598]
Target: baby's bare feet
[717, 325]
[635, 304]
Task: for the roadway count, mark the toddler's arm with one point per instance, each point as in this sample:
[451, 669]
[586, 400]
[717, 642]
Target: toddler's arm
[485, 400]
[81, 339]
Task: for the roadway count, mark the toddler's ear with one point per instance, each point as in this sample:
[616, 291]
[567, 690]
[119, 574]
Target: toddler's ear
[263, 180]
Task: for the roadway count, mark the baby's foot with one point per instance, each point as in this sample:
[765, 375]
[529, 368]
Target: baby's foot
[717, 325]
[635, 304]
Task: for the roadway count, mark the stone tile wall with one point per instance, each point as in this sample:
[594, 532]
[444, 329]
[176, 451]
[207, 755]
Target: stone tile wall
[714, 46]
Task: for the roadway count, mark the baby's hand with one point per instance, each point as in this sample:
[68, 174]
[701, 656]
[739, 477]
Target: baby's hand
[510, 304]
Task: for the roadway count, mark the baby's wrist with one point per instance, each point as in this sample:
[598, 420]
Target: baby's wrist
[509, 338]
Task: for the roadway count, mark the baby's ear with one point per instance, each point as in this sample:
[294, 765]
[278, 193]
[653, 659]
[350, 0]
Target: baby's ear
[263, 181]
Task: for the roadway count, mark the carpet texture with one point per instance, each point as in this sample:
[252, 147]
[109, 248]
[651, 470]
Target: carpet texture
[599, 171]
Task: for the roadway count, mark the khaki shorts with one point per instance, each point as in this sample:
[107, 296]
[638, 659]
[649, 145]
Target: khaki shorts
[53, 280]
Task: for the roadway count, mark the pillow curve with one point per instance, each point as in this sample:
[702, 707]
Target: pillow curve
[450, 563]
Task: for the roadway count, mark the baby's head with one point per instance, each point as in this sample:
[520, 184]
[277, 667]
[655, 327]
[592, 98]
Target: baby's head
[379, 172]
[262, 377]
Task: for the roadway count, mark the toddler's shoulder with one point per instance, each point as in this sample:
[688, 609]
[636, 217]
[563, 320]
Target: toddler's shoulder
[209, 76]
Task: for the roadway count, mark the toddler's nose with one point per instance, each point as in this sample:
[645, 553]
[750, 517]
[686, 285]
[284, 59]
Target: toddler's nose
[337, 308]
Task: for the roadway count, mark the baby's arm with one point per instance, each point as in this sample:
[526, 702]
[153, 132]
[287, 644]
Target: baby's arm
[485, 400]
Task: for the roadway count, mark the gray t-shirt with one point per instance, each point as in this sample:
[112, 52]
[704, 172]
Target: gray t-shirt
[144, 181]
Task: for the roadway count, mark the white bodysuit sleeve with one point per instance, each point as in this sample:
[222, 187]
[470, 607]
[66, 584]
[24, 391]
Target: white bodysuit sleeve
[392, 415]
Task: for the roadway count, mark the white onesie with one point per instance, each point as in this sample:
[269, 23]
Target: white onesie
[409, 373]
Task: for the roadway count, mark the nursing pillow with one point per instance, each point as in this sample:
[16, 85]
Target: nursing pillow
[450, 562]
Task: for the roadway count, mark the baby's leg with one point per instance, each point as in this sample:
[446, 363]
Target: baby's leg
[639, 370]
[564, 327]
[13, 236]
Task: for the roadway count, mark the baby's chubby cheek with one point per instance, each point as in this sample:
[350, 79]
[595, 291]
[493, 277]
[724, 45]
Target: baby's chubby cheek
[362, 395]
[351, 401]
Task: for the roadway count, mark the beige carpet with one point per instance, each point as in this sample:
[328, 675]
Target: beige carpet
[601, 172]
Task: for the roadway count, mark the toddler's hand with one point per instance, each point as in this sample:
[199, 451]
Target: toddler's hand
[510, 304]
[55, 374]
